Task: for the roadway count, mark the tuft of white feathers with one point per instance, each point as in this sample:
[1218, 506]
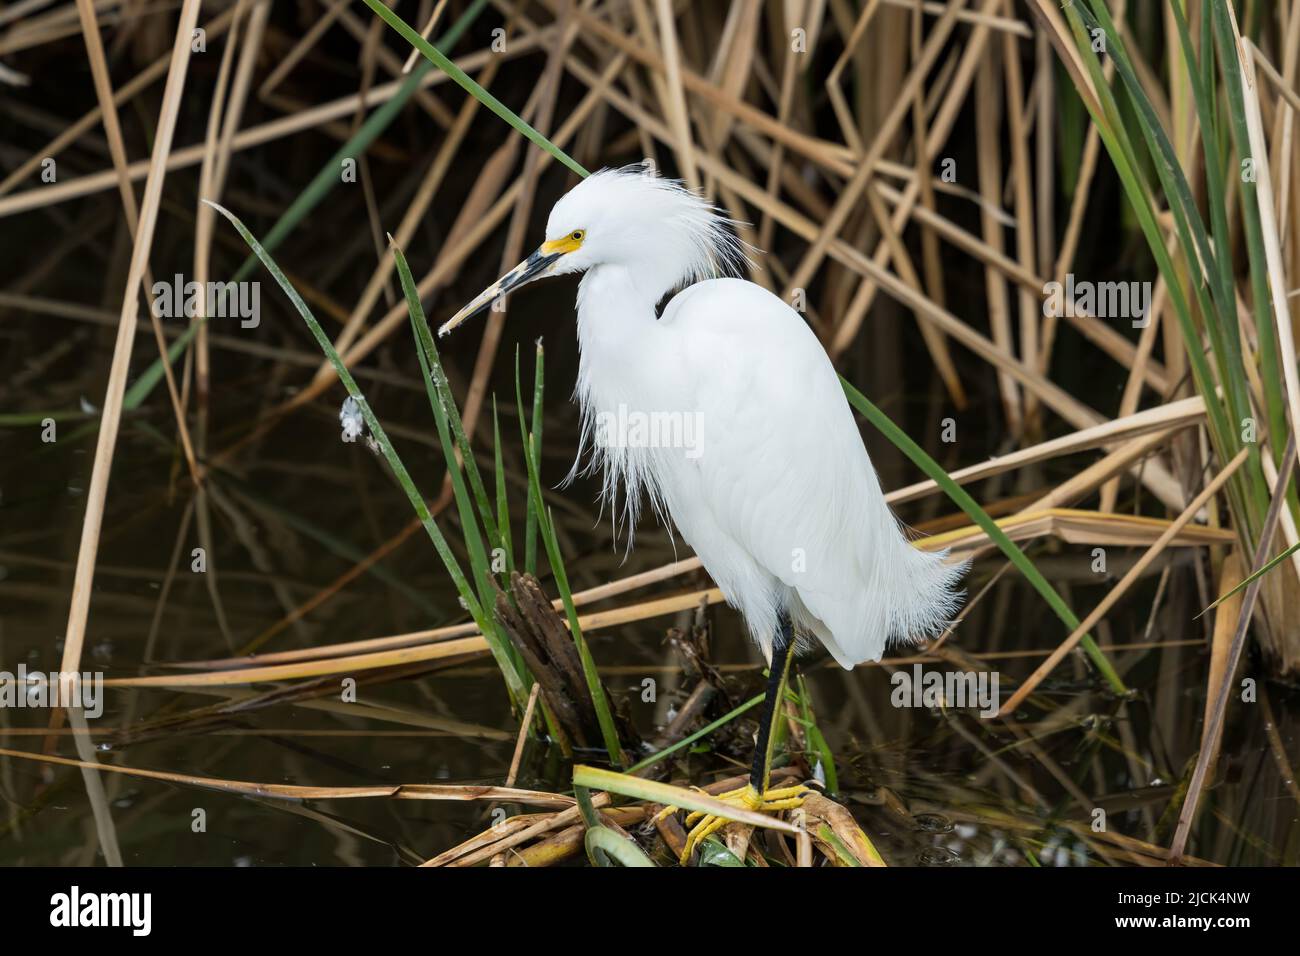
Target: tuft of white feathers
[674, 236]
[680, 239]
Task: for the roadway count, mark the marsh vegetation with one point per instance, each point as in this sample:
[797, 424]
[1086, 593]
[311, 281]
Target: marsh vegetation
[1051, 251]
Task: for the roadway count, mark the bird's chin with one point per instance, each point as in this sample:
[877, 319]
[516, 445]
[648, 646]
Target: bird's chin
[565, 267]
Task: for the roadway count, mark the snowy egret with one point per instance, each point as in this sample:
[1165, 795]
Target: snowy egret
[774, 490]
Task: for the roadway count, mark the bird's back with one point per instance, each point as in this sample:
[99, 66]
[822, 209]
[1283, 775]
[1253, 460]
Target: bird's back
[780, 499]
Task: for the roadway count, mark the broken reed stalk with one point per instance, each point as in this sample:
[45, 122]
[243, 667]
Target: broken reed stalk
[110, 419]
[543, 639]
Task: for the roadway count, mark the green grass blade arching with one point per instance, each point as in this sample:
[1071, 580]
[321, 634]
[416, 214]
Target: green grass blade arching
[316, 190]
[503, 502]
[444, 409]
[594, 778]
[427, 350]
[435, 57]
[619, 848]
[966, 503]
[1220, 312]
[1246, 582]
[1191, 228]
[603, 843]
[535, 442]
[378, 121]
[698, 735]
[440, 545]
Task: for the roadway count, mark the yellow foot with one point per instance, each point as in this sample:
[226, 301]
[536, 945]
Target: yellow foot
[704, 825]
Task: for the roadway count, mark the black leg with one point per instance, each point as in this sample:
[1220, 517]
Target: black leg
[781, 655]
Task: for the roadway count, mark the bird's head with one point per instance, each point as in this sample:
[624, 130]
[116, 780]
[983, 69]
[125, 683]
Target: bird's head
[661, 232]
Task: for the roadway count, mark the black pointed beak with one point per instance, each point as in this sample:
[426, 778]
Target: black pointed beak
[534, 267]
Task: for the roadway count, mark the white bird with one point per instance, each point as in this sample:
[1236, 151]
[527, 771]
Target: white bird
[774, 490]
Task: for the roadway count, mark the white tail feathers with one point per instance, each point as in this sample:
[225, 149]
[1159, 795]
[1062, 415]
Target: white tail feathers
[902, 595]
[930, 597]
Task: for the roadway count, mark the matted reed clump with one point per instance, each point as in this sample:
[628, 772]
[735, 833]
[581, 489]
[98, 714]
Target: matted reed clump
[887, 157]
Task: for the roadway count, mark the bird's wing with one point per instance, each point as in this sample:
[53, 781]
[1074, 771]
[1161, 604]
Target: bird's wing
[782, 467]
[784, 475]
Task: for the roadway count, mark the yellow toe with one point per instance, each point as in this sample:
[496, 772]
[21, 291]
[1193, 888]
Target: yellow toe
[703, 825]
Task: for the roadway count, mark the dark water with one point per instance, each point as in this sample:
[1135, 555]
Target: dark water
[289, 513]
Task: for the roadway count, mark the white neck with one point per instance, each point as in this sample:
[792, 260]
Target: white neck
[612, 283]
[615, 312]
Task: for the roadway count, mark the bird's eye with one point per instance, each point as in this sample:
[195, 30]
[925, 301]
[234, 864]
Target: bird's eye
[577, 235]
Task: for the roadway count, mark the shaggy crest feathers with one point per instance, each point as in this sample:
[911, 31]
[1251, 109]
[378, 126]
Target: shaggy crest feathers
[687, 239]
